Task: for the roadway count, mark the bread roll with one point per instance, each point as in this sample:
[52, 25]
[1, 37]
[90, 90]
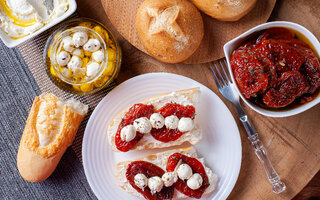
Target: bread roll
[189, 96]
[225, 10]
[51, 127]
[170, 30]
[160, 159]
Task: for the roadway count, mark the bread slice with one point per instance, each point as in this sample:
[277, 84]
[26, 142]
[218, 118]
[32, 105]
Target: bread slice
[160, 159]
[51, 127]
[184, 97]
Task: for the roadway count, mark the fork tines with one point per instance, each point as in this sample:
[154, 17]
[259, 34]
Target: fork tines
[220, 78]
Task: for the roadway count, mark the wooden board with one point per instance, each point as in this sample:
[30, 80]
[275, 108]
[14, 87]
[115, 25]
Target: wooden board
[292, 143]
[122, 14]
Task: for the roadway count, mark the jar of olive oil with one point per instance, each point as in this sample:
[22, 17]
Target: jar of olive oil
[82, 56]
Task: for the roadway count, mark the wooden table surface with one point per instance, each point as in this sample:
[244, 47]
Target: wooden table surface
[292, 143]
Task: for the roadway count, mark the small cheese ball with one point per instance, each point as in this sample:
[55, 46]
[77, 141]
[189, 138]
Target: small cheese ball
[92, 45]
[128, 133]
[142, 125]
[92, 69]
[195, 181]
[78, 52]
[140, 180]
[68, 44]
[157, 120]
[155, 184]
[63, 58]
[185, 124]
[184, 171]
[79, 38]
[74, 63]
[169, 178]
[98, 56]
[171, 122]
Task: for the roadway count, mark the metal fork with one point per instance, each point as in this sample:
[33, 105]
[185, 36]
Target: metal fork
[226, 87]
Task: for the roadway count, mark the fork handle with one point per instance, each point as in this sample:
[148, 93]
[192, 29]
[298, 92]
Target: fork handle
[277, 185]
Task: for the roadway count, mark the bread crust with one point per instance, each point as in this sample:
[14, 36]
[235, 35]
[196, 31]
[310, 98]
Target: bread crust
[148, 142]
[36, 163]
[154, 158]
[224, 10]
[170, 30]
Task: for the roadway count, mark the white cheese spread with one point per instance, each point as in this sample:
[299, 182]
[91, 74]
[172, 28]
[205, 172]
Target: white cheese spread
[19, 18]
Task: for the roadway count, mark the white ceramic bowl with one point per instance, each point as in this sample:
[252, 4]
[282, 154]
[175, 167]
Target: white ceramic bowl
[233, 44]
[9, 42]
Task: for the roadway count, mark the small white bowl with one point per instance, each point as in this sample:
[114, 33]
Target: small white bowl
[9, 42]
[233, 44]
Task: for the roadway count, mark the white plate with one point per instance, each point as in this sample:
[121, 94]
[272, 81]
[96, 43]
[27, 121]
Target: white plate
[220, 145]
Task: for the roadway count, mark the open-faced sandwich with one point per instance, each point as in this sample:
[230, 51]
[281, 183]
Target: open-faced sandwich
[161, 121]
[177, 173]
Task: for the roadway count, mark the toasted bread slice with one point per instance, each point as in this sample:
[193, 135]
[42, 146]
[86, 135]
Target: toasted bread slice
[184, 97]
[160, 159]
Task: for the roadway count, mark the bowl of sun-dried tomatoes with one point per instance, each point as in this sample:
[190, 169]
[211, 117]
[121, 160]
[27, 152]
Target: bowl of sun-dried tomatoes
[276, 69]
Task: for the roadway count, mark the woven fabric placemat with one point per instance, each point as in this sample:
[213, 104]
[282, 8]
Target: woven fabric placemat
[32, 52]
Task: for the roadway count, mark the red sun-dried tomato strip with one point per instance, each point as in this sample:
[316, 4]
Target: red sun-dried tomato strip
[149, 170]
[196, 167]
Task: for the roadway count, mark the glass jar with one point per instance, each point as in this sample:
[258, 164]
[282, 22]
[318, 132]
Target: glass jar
[78, 79]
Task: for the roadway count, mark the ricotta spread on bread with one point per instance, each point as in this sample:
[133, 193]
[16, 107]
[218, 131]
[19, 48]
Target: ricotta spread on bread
[19, 18]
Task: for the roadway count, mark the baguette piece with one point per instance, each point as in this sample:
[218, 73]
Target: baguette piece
[183, 97]
[51, 127]
[160, 159]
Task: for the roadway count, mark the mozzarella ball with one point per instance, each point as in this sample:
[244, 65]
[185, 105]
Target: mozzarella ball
[157, 120]
[92, 45]
[128, 133]
[78, 52]
[142, 125]
[185, 124]
[155, 184]
[75, 63]
[141, 180]
[195, 181]
[68, 44]
[92, 69]
[63, 58]
[169, 178]
[184, 171]
[79, 38]
[98, 56]
[171, 122]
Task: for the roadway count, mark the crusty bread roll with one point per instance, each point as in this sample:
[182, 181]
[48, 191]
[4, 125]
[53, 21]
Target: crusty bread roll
[189, 96]
[170, 30]
[51, 127]
[160, 159]
[225, 10]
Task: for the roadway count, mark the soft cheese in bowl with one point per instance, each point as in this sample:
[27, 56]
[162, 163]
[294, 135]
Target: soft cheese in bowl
[22, 19]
